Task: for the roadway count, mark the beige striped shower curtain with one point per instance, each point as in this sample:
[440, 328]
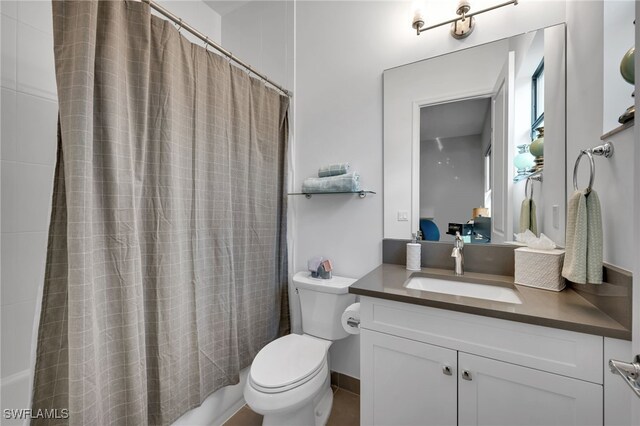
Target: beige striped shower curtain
[166, 267]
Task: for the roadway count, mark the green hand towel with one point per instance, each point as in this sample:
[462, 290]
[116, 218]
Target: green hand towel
[594, 239]
[575, 257]
[528, 218]
[333, 170]
[349, 182]
[583, 256]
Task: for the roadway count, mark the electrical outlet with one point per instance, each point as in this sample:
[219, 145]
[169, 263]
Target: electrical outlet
[403, 216]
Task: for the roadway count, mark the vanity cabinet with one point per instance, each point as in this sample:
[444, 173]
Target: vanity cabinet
[492, 392]
[502, 372]
[407, 382]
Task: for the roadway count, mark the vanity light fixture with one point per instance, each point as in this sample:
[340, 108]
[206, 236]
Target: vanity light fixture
[461, 26]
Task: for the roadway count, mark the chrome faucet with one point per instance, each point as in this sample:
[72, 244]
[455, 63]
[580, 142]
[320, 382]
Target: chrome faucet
[457, 254]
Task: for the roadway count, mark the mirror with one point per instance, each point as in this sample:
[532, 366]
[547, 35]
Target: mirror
[455, 128]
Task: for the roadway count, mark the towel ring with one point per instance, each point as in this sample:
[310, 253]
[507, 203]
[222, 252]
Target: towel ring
[592, 170]
[536, 176]
[605, 150]
[526, 186]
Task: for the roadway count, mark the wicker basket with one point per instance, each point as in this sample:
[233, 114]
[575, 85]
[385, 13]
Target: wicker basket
[539, 268]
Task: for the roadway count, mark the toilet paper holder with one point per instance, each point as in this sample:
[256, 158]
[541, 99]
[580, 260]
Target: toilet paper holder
[353, 322]
[350, 319]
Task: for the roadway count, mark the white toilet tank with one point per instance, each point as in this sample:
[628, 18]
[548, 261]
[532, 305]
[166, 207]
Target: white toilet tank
[322, 303]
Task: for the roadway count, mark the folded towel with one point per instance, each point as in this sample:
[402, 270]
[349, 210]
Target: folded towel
[349, 182]
[528, 218]
[583, 257]
[333, 170]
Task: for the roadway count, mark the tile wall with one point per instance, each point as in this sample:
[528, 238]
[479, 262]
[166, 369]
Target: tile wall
[28, 153]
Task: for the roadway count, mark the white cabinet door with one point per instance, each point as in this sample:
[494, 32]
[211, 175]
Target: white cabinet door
[404, 382]
[498, 393]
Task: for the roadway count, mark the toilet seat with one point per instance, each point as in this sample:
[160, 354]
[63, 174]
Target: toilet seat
[288, 362]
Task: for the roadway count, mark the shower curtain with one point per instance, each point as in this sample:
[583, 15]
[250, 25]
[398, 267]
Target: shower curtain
[166, 266]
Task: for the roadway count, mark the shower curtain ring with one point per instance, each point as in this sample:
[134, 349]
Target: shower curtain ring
[180, 25]
[230, 57]
[206, 42]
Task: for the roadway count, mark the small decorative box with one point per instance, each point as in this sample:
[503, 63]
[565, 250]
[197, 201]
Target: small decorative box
[539, 268]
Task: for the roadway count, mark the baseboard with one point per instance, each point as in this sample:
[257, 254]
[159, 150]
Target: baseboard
[348, 383]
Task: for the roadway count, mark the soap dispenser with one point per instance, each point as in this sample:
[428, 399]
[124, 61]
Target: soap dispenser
[414, 254]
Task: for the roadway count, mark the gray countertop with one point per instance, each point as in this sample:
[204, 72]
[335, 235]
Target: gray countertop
[565, 310]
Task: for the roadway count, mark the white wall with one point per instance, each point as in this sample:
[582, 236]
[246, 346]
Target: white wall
[585, 94]
[197, 14]
[451, 180]
[339, 64]
[262, 34]
[341, 50]
[618, 16]
[28, 149]
[29, 114]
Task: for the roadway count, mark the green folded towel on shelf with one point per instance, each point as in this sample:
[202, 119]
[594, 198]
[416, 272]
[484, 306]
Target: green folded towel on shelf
[333, 170]
[349, 182]
[583, 257]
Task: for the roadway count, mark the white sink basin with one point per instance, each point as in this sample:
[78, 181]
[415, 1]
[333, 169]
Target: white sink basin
[457, 288]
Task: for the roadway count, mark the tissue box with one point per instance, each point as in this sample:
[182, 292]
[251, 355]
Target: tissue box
[539, 268]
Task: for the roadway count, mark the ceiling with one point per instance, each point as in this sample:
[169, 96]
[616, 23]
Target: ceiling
[454, 119]
[226, 6]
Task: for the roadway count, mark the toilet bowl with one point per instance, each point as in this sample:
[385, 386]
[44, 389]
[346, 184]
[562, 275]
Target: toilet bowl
[289, 380]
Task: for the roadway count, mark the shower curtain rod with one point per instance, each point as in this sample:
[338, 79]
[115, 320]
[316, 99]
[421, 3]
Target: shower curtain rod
[181, 24]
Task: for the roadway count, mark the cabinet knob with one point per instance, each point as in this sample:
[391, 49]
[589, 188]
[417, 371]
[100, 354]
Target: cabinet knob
[466, 375]
[446, 370]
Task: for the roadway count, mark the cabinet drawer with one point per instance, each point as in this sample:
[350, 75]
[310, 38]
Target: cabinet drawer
[562, 352]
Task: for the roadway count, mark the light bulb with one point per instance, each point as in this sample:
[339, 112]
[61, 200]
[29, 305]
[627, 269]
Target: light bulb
[417, 13]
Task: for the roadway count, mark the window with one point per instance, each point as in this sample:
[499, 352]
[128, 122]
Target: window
[488, 169]
[537, 99]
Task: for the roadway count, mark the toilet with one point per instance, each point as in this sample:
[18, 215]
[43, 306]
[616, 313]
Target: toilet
[289, 380]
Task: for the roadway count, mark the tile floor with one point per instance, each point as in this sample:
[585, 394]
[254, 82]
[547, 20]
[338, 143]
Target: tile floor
[345, 412]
